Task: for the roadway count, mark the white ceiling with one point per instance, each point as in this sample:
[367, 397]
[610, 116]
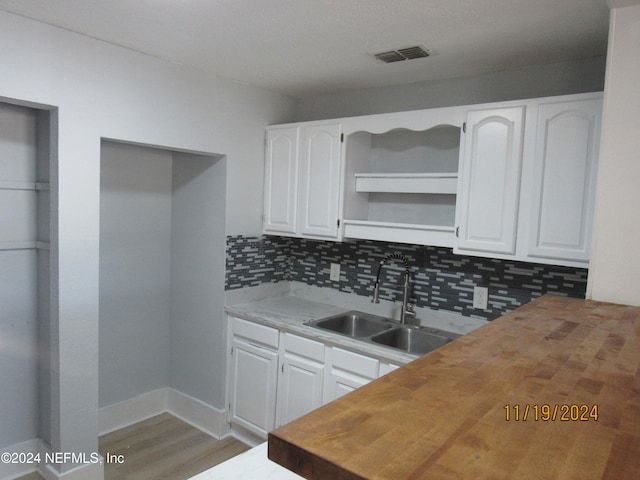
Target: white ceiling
[304, 48]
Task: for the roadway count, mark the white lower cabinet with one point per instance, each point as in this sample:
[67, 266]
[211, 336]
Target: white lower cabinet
[387, 368]
[275, 377]
[253, 376]
[253, 396]
[301, 377]
[348, 371]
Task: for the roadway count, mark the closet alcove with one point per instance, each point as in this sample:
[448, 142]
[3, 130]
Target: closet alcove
[162, 261]
[28, 152]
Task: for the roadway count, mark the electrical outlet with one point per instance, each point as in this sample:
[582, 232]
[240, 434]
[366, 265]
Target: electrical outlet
[334, 273]
[480, 297]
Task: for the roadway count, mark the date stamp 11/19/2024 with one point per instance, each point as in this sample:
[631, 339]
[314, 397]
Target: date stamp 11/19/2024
[551, 413]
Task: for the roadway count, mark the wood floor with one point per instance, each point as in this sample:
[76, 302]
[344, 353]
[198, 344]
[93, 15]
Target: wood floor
[162, 447]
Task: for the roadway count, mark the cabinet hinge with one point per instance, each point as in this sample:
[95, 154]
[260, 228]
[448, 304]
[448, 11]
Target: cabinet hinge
[464, 127]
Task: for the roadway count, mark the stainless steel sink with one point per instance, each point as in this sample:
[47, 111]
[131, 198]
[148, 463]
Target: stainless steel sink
[416, 340]
[410, 339]
[354, 324]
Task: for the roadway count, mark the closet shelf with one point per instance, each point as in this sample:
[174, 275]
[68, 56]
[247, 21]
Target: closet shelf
[24, 186]
[440, 183]
[24, 245]
[436, 235]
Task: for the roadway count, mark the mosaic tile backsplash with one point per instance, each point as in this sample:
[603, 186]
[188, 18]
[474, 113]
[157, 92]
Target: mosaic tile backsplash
[439, 279]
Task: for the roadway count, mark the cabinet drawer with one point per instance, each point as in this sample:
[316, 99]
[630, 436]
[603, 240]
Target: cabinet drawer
[255, 332]
[354, 362]
[304, 347]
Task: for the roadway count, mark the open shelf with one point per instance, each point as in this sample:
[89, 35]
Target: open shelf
[441, 236]
[24, 245]
[445, 183]
[24, 185]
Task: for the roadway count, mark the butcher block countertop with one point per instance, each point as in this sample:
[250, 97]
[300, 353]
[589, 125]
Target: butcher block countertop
[570, 366]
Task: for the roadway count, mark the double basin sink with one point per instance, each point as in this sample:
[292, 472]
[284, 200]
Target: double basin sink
[383, 331]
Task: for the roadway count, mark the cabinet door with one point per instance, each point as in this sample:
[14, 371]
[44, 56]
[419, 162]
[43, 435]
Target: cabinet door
[254, 376]
[281, 180]
[347, 371]
[340, 382]
[300, 388]
[320, 174]
[387, 368]
[564, 179]
[487, 204]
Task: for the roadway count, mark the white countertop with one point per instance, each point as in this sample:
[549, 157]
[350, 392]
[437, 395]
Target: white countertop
[252, 464]
[289, 305]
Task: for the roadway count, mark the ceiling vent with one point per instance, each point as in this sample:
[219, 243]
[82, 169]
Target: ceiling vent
[409, 53]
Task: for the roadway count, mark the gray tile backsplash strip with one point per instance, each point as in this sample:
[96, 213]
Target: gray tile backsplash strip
[439, 279]
[252, 261]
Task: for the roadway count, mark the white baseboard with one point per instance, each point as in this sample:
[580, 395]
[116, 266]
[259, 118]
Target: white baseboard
[245, 436]
[193, 411]
[90, 471]
[202, 416]
[123, 414]
[210, 420]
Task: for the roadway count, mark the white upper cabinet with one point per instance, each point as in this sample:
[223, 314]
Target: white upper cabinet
[518, 182]
[527, 180]
[281, 180]
[302, 180]
[564, 179]
[487, 208]
[320, 162]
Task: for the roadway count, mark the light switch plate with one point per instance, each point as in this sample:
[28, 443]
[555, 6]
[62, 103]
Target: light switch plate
[334, 273]
[480, 297]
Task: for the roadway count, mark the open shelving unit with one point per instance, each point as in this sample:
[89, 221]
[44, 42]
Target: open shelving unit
[401, 185]
[27, 152]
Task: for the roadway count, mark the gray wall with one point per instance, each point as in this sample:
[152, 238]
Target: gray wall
[162, 253]
[536, 81]
[135, 271]
[197, 344]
